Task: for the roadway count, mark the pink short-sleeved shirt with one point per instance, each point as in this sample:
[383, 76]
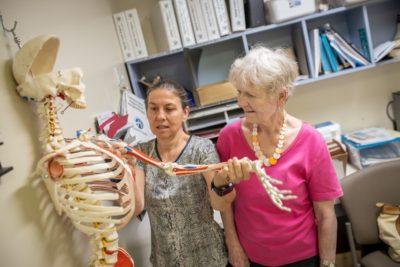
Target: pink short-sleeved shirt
[269, 235]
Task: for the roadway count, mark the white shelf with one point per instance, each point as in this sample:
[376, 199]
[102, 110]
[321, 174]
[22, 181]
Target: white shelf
[210, 62]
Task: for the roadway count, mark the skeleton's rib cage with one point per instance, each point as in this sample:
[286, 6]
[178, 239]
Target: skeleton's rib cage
[95, 192]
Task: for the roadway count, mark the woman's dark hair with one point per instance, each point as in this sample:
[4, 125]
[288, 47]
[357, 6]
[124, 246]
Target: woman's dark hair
[172, 86]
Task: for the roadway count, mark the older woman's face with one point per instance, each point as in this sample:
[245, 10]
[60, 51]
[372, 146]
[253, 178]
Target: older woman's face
[257, 105]
[165, 113]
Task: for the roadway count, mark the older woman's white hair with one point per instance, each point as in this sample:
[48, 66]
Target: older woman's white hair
[271, 70]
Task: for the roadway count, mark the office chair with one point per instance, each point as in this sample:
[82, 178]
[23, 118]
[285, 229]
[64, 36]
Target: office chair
[362, 190]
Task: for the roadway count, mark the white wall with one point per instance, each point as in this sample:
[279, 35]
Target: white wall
[31, 233]
[354, 101]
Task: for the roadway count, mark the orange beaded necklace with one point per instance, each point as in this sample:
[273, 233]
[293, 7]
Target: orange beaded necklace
[273, 159]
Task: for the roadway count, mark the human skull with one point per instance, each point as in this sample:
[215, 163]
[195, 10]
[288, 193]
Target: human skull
[33, 71]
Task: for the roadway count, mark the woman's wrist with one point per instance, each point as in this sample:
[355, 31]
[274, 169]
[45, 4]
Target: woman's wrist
[222, 190]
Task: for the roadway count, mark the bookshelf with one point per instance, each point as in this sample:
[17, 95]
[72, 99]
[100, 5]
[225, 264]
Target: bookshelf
[209, 62]
[213, 116]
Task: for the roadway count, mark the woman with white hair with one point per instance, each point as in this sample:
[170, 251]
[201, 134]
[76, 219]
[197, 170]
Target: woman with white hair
[257, 232]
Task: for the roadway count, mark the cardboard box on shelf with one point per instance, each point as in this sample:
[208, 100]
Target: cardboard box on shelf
[216, 92]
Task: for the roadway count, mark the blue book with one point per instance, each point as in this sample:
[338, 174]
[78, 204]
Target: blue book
[345, 56]
[348, 50]
[329, 52]
[364, 43]
[326, 66]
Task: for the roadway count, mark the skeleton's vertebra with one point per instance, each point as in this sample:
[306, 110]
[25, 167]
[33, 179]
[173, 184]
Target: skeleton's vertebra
[87, 182]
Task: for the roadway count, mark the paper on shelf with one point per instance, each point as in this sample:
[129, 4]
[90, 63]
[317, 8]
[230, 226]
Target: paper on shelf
[372, 135]
[383, 49]
[135, 108]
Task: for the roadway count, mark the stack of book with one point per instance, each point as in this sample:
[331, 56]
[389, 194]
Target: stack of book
[182, 23]
[165, 27]
[130, 34]
[332, 52]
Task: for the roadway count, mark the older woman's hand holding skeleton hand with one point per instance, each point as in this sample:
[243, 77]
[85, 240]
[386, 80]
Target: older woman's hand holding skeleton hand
[235, 171]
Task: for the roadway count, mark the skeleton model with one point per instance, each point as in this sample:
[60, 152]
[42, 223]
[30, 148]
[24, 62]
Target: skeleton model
[85, 179]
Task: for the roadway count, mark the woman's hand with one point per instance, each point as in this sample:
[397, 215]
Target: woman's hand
[237, 256]
[236, 253]
[235, 171]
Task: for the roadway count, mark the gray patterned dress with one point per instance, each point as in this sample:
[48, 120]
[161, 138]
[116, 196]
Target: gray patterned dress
[183, 231]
